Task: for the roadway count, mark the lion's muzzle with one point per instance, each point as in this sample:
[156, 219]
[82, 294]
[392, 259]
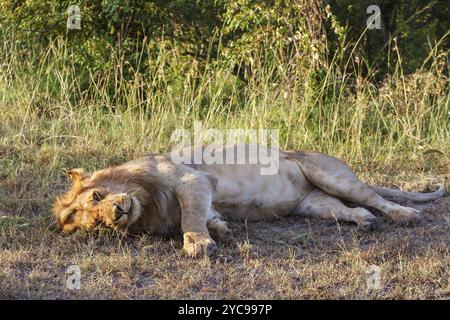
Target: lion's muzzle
[121, 209]
[116, 210]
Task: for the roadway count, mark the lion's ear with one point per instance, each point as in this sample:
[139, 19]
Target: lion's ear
[77, 175]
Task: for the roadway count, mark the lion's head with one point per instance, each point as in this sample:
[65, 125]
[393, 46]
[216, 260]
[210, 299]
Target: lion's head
[110, 197]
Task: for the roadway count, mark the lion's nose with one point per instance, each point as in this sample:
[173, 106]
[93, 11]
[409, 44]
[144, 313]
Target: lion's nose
[118, 212]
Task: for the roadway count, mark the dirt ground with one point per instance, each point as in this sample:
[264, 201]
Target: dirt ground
[294, 258]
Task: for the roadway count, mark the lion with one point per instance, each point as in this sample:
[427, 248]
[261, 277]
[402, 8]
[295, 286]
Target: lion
[157, 195]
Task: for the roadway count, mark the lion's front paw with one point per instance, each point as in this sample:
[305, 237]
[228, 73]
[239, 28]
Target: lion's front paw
[198, 244]
[222, 233]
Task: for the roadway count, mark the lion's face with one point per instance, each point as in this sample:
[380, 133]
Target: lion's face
[87, 205]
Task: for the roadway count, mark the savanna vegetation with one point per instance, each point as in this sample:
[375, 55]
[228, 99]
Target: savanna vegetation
[138, 70]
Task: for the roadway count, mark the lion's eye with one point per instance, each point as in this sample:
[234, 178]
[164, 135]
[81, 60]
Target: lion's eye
[96, 196]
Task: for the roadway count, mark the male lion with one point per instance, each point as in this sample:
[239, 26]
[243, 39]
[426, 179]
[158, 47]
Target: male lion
[153, 194]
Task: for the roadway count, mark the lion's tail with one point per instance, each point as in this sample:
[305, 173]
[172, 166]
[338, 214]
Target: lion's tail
[406, 195]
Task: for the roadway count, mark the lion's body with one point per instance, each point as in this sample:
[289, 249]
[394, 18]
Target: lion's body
[242, 192]
[154, 194]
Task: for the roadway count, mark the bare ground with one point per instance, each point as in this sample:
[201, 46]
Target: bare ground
[294, 258]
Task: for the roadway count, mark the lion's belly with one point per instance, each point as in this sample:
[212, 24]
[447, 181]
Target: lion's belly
[243, 193]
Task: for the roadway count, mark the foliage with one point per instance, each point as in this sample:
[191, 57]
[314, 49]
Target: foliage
[304, 34]
[415, 25]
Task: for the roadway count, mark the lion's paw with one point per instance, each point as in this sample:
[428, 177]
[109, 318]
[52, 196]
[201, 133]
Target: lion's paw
[366, 221]
[222, 233]
[198, 244]
[406, 216]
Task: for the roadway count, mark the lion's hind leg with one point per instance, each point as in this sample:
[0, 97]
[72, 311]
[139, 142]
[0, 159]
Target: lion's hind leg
[335, 178]
[320, 204]
[218, 228]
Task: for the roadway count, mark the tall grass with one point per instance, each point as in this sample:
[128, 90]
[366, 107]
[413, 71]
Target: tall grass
[53, 117]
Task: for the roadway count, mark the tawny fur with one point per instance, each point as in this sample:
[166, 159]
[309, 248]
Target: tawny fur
[153, 194]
